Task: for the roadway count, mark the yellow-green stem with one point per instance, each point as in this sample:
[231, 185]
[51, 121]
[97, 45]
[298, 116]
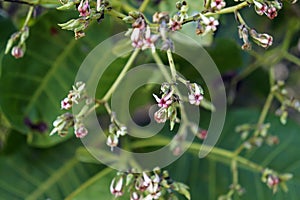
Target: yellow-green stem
[144, 5]
[121, 75]
[28, 17]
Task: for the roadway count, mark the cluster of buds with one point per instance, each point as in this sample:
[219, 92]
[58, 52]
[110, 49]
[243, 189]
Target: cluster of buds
[68, 120]
[206, 25]
[76, 25]
[141, 36]
[262, 39]
[285, 100]
[269, 8]
[168, 104]
[86, 14]
[17, 50]
[273, 179]
[116, 130]
[62, 124]
[257, 140]
[147, 185]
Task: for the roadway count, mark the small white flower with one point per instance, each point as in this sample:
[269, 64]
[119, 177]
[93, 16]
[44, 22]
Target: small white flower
[153, 189]
[175, 25]
[122, 131]
[210, 23]
[217, 4]
[81, 131]
[165, 101]
[196, 94]
[66, 104]
[149, 40]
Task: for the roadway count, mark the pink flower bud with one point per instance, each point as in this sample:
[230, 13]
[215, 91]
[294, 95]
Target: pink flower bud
[175, 25]
[112, 141]
[272, 181]
[81, 131]
[17, 52]
[202, 134]
[160, 116]
[116, 188]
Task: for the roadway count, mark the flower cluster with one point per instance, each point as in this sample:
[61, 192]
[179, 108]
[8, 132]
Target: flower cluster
[74, 96]
[206, 25]
[68, 120]
[269, 8]
[262, 39]
[168, 104]
[286, 101]
[86, 14]
[175, 23]
[116, 130]
[147, 185]
[262, 136]
[141, 36]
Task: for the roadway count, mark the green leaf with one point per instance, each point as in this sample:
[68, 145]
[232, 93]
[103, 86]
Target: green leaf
[40, 174]
[4, 36]
[32, 87]
[226, 54]
[211, 178]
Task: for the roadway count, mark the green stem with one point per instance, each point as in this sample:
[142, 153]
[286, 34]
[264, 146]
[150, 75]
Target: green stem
[144, 5]
[216, 153]
[89, 182]
[231, 9]
[161, 66]
[240, 19]
[293, 26]
[172, 65]
[121, 75]
[115, 13]
[235, 172]
[28, 17]
[290, 57]
[168, 78]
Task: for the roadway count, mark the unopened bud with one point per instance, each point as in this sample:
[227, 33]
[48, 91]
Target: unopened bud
[17, 52]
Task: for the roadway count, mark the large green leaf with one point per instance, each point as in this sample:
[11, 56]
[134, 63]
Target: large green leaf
[43, 174]
[208, 178]
[32, 87]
